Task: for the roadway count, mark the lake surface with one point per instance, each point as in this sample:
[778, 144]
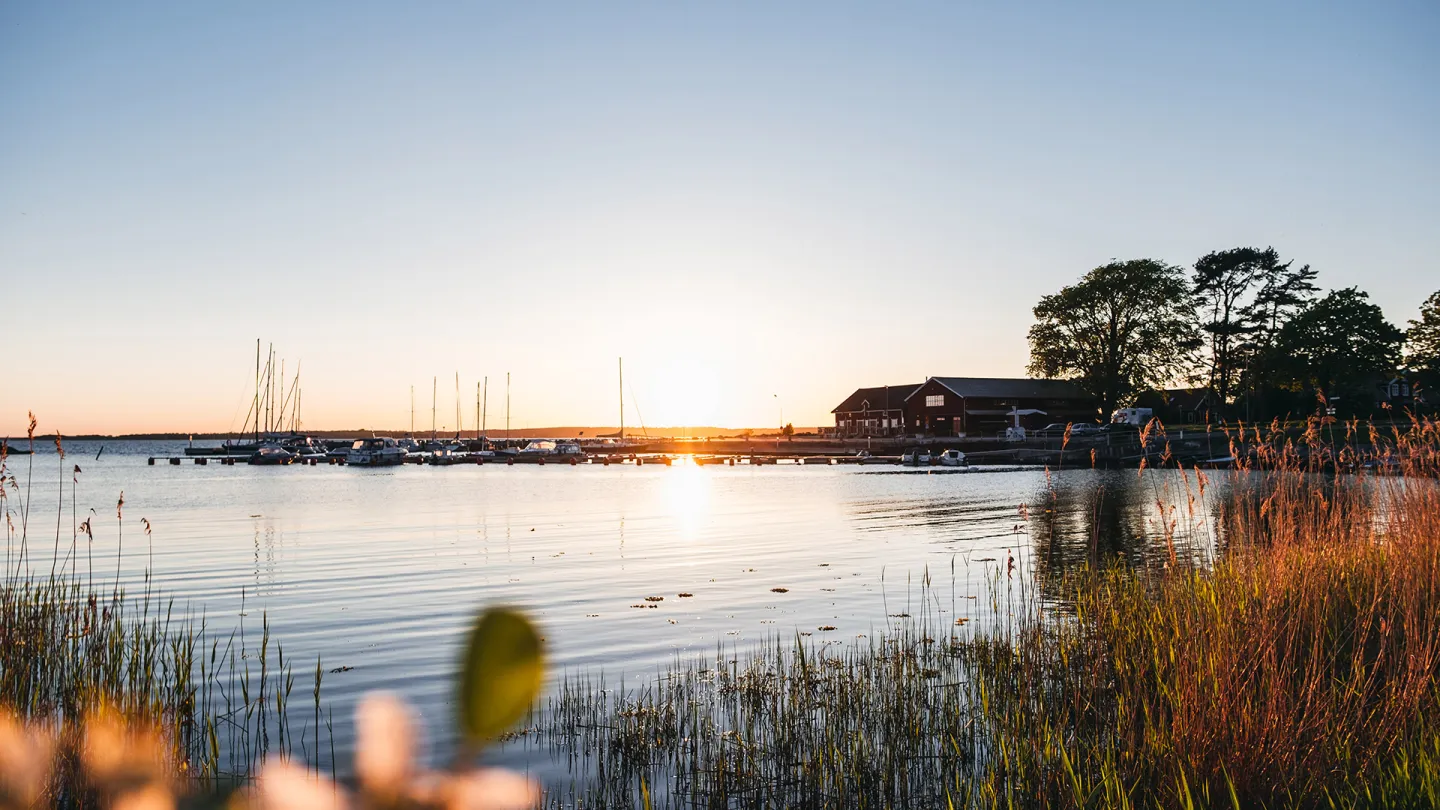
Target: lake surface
[379, 571]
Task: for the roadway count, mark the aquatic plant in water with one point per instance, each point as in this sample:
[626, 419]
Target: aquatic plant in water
[112, 760]
[1298, 668]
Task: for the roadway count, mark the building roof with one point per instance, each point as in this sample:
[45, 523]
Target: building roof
[1188, 399]
[876, 397]
[1000, 388]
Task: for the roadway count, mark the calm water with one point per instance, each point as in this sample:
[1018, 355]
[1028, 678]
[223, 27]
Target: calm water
[379, 570]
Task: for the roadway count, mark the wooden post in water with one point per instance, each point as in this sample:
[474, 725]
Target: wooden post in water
[622, 400]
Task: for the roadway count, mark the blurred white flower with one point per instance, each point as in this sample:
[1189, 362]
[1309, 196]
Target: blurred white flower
[384, 743]
[286, 786]
[25, 759]
[491, 789]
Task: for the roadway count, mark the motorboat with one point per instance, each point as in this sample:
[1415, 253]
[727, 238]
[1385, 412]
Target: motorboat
[916, 457]
[378, 451]
[273, 455]
[449, 454]
[536, 452]
[303, 447]
[953, 458]
[546, 451]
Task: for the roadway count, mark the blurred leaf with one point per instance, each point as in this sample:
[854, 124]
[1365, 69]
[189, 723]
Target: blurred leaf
[501, 675]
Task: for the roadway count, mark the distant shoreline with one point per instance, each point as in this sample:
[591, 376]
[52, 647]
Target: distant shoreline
[494, 433]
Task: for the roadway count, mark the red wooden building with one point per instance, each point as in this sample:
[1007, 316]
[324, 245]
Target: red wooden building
[962, 406]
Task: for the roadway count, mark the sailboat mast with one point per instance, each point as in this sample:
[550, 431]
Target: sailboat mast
[280, 409]
[295, 389]
[434, 389]
[507, 406]
[457, 405]
[477, 411]
[622, 400]
[257, 390]
[412, 411]
[270, 400]
[484, 406]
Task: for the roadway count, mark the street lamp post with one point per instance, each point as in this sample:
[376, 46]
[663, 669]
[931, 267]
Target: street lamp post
[781, 430]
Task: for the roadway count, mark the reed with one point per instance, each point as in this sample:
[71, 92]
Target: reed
[73, 649]
[1296, 667]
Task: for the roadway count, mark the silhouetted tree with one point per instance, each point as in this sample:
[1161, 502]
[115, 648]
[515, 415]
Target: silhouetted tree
[1422, 348]
[1223, 281]
[1338, 346]
[1283, 293]
[1123, 327]
[1245, 295]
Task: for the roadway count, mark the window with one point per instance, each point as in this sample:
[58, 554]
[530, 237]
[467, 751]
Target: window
[934, 400]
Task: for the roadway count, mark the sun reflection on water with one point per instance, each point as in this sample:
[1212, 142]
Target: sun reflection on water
[687, 498]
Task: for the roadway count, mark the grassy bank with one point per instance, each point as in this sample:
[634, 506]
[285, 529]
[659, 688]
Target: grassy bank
[76, 646]
[1300, 667]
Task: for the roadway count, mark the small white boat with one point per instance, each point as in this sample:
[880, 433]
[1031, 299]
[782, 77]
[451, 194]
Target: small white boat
[953, 458]
[917, 457]
[380, 451]
[449, 454]
[273, 454]
[545, 451]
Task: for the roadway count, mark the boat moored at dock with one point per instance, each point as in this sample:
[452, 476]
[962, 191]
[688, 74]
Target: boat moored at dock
[379, 451]
[273, 455]
[917, 457]
[953, 458]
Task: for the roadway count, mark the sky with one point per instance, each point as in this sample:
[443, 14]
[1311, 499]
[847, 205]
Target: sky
[759, 206]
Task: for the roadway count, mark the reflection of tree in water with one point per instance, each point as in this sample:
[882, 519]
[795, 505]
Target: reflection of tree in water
[1100, 518]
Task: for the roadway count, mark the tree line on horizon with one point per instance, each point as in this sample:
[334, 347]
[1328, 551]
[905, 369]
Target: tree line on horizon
[1252, 330]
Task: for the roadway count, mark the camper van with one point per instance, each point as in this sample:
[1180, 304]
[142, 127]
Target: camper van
[1132, 416]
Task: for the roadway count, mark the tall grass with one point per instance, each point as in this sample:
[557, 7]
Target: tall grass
[75, 644]
[1297, 668]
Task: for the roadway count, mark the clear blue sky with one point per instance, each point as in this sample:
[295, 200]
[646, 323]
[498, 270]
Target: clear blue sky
[743, 201]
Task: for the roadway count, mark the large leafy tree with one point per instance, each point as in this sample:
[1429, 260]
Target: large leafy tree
[1244, 296]
[1223, 281]
[1124, 327]
[1284, 291]
[1422, 347]
[1338, 346]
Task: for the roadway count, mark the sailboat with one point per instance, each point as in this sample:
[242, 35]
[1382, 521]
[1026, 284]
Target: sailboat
[274, 414]
[618, 443]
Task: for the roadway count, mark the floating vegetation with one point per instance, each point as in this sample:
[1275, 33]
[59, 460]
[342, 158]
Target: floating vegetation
[684, 595]
[779, 590]
[654, 599]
